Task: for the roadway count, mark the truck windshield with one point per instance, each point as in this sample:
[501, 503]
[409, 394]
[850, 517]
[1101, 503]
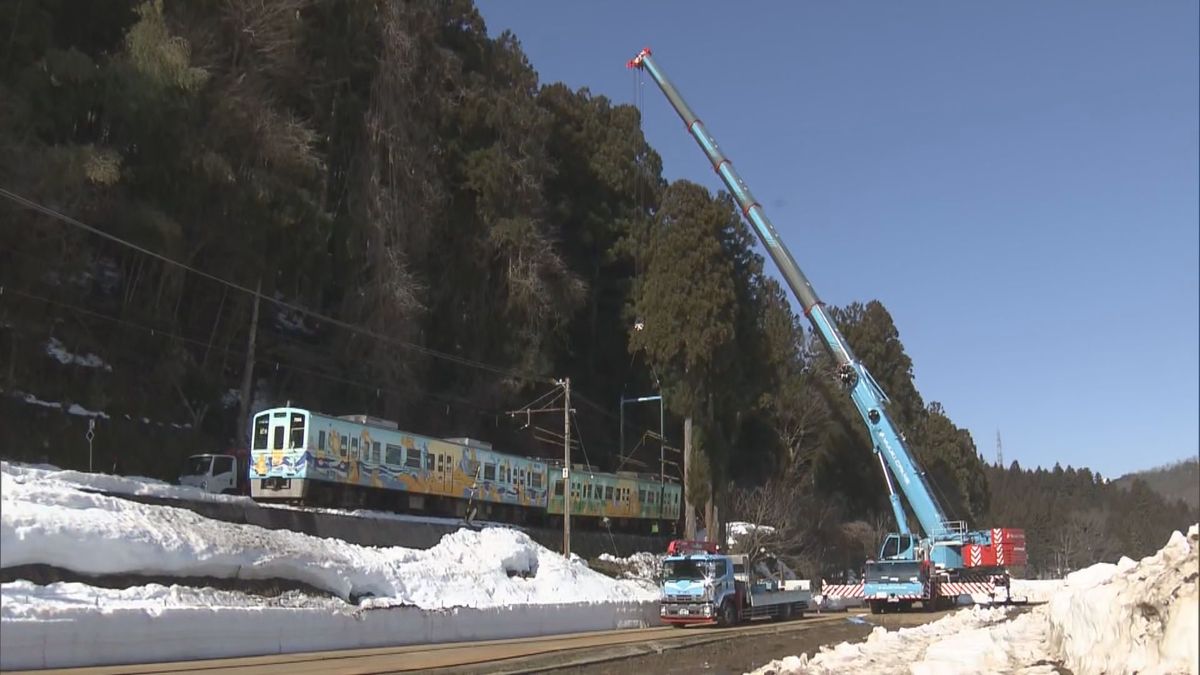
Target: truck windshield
[197, 466]
[691, 570]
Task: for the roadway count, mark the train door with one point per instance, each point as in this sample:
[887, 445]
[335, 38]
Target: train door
[445, 473]
[279, 435]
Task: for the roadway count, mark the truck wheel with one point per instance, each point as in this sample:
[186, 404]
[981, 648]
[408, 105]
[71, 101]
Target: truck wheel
[728, 615]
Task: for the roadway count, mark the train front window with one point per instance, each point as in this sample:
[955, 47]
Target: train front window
[297, 432]
[262, 425]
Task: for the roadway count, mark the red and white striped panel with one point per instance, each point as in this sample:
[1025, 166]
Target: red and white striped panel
[954, 589]
[843, 590]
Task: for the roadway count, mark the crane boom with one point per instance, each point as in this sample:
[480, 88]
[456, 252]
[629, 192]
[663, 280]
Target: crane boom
[866, 393]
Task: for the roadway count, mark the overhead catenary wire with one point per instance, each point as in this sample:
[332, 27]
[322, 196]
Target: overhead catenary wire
[159, 332]
[460, 360]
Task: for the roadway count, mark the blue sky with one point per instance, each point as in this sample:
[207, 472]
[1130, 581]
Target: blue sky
[1016, 182]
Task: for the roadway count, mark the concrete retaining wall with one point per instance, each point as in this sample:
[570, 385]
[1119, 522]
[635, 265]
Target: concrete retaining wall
[86, 636]
[368, 531]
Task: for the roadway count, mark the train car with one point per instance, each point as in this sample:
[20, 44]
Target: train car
[630, 501]
[351, 461]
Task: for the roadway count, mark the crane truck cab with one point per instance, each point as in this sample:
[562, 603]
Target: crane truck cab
[703, 586]
[217, 473]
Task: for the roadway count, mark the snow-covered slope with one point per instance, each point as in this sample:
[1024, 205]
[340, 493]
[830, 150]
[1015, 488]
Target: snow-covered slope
[47, 522]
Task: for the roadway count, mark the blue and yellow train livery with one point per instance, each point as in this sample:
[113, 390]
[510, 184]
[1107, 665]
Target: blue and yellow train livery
[302, 456]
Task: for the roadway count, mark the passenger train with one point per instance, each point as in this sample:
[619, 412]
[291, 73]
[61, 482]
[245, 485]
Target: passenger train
[357, 461]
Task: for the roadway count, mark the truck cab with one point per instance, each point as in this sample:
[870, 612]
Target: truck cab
[703, 586]
[215, 473]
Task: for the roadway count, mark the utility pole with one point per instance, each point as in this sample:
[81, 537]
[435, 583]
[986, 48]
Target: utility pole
[567, 467]
[528, 411]
[248, 370]
[999, 451]
[689, 513]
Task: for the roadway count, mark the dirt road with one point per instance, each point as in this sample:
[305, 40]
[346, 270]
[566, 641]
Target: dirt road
[718, 656]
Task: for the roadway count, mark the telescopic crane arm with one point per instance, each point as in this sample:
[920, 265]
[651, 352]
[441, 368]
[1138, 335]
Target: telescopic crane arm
[867, 395]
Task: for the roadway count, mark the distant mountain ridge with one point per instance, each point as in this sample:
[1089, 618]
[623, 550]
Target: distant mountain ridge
[1178, 480]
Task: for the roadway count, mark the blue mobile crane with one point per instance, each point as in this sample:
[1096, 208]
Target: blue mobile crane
[944, 559]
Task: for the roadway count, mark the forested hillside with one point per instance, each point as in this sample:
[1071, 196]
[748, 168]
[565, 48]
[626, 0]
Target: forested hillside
[436, 235]
[1073, 517]
[1180, 480]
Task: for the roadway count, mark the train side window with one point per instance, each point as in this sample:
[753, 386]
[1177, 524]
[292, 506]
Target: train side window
[489, 472]
[574, 490]
[345, 444]
[537, 481]
[608, 493]
[354, 447]
[320, 440]
[413, 458]
[558, 488]
[429, 461]
[376, 453]
[395, 455]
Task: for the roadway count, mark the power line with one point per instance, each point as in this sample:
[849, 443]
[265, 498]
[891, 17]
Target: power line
[276, 362]
[460, 360]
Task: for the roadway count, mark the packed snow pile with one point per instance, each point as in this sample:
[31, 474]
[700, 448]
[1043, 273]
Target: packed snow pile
[643, 567]
[975, 640]
[740, 529]
[1035, 590]
[1108, 618]
[120, 485]
[141, 486]
[48, 522]
[1132, 617]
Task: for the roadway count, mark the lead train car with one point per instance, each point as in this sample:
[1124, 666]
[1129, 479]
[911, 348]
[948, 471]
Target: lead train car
[355, 461]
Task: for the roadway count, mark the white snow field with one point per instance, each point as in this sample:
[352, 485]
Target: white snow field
[1129, 617]
[473, 585]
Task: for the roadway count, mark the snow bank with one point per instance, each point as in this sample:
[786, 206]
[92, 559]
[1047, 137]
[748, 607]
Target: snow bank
[1035, 590]
[141, 486]
[739, 529]
[1108, 618]
[644, 568]
[68, 479]
[958, 643]
[1132, 616]
[98, 626]
[46, 522]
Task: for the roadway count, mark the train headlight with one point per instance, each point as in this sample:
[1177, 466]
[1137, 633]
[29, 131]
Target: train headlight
[707, 609]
